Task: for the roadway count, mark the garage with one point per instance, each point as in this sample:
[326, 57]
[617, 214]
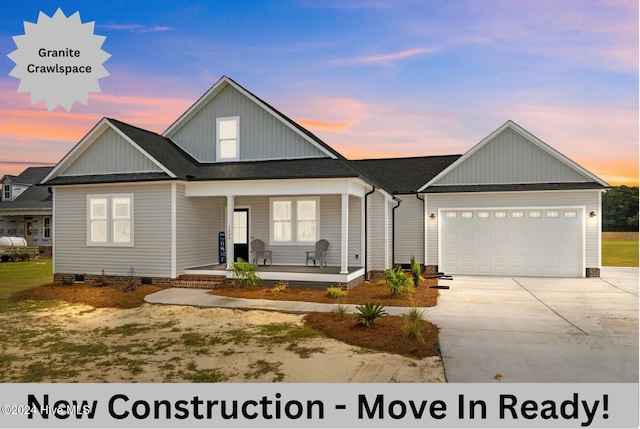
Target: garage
[539, 241]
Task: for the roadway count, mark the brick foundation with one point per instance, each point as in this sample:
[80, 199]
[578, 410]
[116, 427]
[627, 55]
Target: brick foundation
[430, 269]
[593, 272]
[45, 251]
[111, 280]
[376, 274]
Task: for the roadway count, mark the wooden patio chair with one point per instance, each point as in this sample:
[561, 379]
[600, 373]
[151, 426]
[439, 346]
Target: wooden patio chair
[320, 254]
[257, 248]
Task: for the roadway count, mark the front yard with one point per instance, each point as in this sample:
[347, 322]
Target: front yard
[620, 249]
[55, 341]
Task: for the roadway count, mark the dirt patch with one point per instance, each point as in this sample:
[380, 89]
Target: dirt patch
[98, 297]
[620, 236]
[375, 291]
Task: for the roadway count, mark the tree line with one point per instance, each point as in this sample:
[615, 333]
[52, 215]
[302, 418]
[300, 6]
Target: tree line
[620, 209]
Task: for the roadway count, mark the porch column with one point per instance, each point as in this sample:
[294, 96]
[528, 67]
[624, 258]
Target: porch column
[230, 208]
[344, 237]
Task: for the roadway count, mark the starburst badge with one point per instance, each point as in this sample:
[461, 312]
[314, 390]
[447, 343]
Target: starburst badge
[59, 60]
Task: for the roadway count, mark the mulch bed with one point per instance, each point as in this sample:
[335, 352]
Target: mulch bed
[386, 334]
[375, 291]
[99, 297]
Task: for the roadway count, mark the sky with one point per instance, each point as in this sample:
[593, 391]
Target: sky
[371, 78]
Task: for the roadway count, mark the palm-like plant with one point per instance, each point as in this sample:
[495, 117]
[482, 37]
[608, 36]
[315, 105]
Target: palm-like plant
[368, 312]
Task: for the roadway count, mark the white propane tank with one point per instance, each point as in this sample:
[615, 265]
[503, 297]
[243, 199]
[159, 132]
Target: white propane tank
[13, 242]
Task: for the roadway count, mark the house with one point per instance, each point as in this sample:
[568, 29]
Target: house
[26, 209]
[180, 207]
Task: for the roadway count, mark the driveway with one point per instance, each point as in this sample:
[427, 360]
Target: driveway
[526, 329]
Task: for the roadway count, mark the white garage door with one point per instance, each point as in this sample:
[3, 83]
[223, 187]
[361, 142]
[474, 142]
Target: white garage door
[546, 242]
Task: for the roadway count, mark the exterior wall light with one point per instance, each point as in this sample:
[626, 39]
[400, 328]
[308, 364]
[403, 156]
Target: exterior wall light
[592, 214]
[433, 216]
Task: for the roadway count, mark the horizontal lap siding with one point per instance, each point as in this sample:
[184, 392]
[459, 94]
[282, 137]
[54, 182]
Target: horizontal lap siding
[330, 230]
[151, 254]
[409, 230]
[378, 205]
[355, 232]
[197, 228]
[589, 199]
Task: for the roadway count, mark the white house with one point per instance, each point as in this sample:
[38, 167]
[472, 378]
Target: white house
[233, 169]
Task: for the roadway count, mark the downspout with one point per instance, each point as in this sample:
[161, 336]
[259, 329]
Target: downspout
[424, 225]
[393, 233]
[366, 234]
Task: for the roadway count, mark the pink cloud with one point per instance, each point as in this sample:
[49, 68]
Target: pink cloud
[388, 58]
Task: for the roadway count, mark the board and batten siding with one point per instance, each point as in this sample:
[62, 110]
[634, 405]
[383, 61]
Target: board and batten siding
[261, 135]
[409, 233]
[151, 254]
[510, 158]
[110, 153]
[197, 228]
[588, 199]
[330, 230]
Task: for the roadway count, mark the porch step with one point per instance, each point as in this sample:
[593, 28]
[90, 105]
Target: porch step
[199, 281]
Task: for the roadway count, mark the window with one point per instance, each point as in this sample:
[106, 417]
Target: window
[451, 215]
[534, 214]
[552, 213]
[467, 215]
[46, 227]
[295, 220]
[570, 214]
[110, 220]
[483, 215]
[500, 215]
[517, 215]
[227, 130]
[6, 194]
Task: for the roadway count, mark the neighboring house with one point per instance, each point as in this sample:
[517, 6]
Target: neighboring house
[26, 209]
[232, 169]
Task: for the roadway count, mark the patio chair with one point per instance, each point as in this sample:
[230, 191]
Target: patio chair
[320, 254]
[257, 248]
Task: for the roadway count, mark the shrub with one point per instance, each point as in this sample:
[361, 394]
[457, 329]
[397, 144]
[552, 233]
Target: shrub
[369, 312]
[340, 310]
[336, 292]
[280, 287]
[415, 271]
[246, 272]
[397, 282]
[101, 281]
[130, 284]
[411, 323]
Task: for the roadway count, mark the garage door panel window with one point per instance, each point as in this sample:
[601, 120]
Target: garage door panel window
[570, 214]
[517, 215]
[483, 215]
[534, 214]
[451, 215]
[500, 215]
[467, 215]
[552, 214]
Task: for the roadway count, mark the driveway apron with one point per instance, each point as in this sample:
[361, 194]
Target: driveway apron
[526, 329]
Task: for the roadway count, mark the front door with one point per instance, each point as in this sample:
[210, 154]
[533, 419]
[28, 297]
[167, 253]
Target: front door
[241, 234]
[28, 231]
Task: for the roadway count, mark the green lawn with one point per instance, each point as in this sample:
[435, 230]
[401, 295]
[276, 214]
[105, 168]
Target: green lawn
[620, 253]
[18, 276]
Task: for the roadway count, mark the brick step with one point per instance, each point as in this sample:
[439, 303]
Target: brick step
[199, 281]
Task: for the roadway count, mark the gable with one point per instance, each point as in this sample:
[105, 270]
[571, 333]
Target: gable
[110, 153]
[263, 133]
[513, 156]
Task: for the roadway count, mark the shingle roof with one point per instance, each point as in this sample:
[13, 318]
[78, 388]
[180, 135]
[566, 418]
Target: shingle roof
[404, 175]
[107, 178]
[29, 176]
[33, 198]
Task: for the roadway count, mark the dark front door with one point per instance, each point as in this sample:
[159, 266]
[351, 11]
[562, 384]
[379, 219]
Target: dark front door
[241, 234]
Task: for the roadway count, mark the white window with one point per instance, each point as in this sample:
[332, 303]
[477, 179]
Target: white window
[295, 220]
[46, 227]
[451, 215]
[228, 143]
[534, 214]
[501, 215]
[483, 215]
[110, 220]
[6, 194]
[517, 214]
[552, 213]
[467, 215]
[570, 214]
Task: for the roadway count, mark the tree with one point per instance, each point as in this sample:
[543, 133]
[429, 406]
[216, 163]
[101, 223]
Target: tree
[620, 209]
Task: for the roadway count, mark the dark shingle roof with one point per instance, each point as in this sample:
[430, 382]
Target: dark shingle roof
[34, 197]
[514, 187]
[30, 176]
[107, 178]
[404, 175]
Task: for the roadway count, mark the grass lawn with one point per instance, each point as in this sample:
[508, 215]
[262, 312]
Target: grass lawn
[620, 249]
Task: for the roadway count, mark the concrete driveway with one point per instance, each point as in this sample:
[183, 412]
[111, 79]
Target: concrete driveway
[526, 329]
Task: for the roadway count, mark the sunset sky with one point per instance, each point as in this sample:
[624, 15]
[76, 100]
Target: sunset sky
[371, 78]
